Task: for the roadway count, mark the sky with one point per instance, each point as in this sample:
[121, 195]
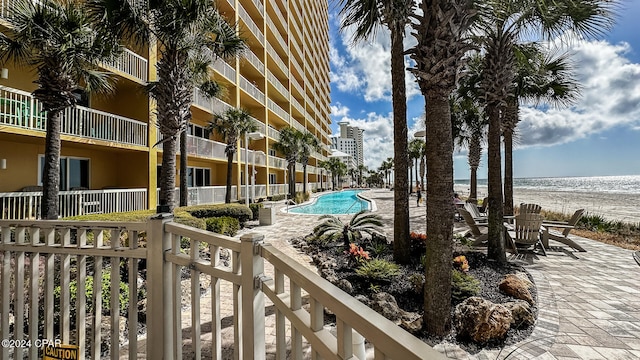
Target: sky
[599, 134]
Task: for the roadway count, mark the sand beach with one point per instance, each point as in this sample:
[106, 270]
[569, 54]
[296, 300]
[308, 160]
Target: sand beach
[612, 206]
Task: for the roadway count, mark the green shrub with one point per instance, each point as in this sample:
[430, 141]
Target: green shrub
[238, 211]
[255, 209]
[277, 197]
[225, 225]
[106, 297]
[301, 197]
[463, 286]
[185, 218]
[378, 269]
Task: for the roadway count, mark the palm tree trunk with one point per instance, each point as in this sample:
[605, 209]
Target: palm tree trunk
[167, 174]
[401, 246]
[51, 172]
[496, 246]
[439, 202]
[227, 196]
[304, 178]
[292, 180]
[473, 193]
[508, 172]
[184, 192]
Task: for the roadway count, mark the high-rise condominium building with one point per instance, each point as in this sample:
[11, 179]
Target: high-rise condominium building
[349, 141]
[108, 161]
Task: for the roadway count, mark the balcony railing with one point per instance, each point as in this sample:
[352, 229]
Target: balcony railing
[255, 61]
[225, 69]
[250, 24]
[276, 32]
[297, 105]
[273, 133]
[276, 9]
[252, 89]
[274, 55]
[26, 205]
[277, 84]
[278, 110]
[259, 5]
[132, 64]
[276, 162]
[20, 109]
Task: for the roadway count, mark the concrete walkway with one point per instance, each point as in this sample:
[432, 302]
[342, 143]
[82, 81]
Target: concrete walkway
[589, 303]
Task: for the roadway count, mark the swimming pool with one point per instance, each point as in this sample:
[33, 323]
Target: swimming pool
[341, 202]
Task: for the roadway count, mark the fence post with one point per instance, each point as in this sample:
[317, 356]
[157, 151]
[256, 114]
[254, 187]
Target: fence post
[159, 284]
[252, 309]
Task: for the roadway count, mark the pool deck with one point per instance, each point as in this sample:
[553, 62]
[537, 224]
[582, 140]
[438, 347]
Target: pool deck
[589, 303]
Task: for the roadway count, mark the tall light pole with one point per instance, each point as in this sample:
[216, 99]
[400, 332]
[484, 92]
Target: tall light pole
[247, 136]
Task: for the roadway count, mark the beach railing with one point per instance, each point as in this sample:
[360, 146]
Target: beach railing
[26, 205]
[44, 283]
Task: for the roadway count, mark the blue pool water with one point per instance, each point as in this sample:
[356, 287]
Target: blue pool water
[342, 202]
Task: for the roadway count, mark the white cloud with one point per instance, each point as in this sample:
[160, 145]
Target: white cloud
[378, 137]
[610, 97]
[339, 110]
[366, 66]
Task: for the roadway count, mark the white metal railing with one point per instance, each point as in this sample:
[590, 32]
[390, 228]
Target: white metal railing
[297, 85]
[26, 205]
[277, 189]
[274, 55]
[273, 133]
[278, 110]
[201, 100]
[132, 64]
[298, 126]
[259, 6]
[276, 9]
[278, 36]
[220, 106]
[260, 125]
[225, 69]
[277, 84]
[251, 89]
[20, 109]
[276, 162]
[254, 60]
[205, 148]
[293, 21]
[244, 15]
[297, 105]
[203, 195]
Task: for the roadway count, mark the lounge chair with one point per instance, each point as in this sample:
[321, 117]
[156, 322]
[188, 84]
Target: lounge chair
[527, 231]
[566, 227]
[530, 208]
[474, 228]
[472, 209]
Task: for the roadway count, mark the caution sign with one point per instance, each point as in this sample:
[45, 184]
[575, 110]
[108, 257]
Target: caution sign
[58, 352]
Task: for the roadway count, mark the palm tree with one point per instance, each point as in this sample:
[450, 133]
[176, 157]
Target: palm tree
[503, 24]
[362, 222]
[367, 16]
[361, 168]
[308, 144]
[337, 169]
[540, 77]
[232, 125]
[190, 35]
[386, 167]
[59, 40]
[440, 34]
[415, 154]
[290, 147]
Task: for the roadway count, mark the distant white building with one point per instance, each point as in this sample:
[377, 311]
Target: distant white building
[346, 159]
[349, 141]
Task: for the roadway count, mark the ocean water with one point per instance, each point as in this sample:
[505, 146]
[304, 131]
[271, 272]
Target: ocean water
[626, 184]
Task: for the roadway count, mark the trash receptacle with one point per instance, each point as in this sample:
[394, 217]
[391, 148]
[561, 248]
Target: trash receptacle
[267, 214]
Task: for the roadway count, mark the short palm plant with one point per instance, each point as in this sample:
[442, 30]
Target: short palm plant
[362, 222]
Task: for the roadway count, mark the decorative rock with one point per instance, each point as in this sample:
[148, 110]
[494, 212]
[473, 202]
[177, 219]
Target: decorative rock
[363, 299]
[412, 325]
[345, 285]
[516, 287]
[524, 277]
[481, 320]
[385, 304]
[521, 313]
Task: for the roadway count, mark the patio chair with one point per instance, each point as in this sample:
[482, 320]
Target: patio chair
[475, 213]
[527, 231]
[566, 227]
[478, 235]
[530, 208]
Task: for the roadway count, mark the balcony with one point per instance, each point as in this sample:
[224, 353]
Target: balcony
[278, 110]
[297, 105]
[255, 30]
[273, 133]
[258, 4]
[255, 61]
[276, 58]
[277, 84]
[225, 70]
[252, 90]
[212, 105]
[132, 64]
[19, 109]
[276, 162]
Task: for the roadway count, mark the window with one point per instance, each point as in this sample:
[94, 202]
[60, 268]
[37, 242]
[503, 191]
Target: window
[199, 131]
[272, 178]
[82, 97]
[198, 176]
[74, 172]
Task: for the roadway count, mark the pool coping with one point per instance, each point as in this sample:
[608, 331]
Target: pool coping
[313, 200]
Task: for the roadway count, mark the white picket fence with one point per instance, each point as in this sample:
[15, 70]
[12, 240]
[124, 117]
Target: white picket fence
[45, 267]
